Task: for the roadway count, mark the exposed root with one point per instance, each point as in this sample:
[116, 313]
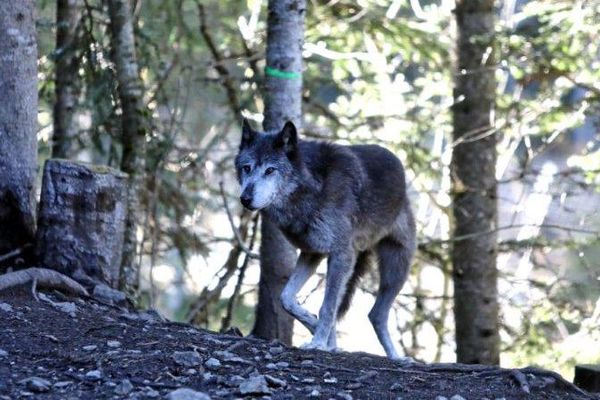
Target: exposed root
[41, 277]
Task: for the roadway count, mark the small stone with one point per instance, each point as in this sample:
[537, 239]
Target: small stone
[282, 364]
[344, 395]
[457, 397]
[212, 363]
[254, 385]
[187, 394]
[306, 363]
[113, 344]
[187, 358]
[151, 393]
[93, 376]
[441, 398]
[308, 380]
[191, 371]
[331, 380]
[275, 382]
[62, 384]
[3, 353]
[37, 384]
[314, 393]
[276, 350]
[124, 387]
[396, 386]
[108, 294]
[66, 307]
[271, 366]
[356, 385]
[90, 347]
[6, 307]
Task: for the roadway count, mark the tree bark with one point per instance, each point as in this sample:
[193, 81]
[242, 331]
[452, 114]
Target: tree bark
[82, 220]
[68, 14]
[133, 131]
[283, 100]
[18, 124]
[473, 170]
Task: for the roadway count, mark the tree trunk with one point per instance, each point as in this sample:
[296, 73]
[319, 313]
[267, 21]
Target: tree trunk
[66, 89]
[82, 220]
[18, 124]
[133, 131]
[474, 187]
[283, 99]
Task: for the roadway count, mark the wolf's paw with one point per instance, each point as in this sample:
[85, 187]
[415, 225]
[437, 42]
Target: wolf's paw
[315, 346]
[404, 360]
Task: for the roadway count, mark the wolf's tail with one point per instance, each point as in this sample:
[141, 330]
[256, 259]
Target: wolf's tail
[364, 261]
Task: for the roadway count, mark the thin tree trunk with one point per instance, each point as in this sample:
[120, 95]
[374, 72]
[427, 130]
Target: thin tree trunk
[133, 130]
[283, 100]
[474, 186]
[18, 124]
[68, 13]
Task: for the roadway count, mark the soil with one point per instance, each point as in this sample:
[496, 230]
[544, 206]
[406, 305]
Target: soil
[59, 347]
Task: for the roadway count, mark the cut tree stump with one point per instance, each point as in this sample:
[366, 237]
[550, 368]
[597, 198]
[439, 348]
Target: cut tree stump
[587, 377]
[81, 220]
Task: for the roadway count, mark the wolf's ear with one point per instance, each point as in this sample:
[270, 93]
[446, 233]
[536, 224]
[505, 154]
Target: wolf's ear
[248, 134]
[288, 137]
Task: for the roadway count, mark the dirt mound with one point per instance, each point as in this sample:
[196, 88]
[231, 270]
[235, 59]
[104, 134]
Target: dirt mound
[61, 347]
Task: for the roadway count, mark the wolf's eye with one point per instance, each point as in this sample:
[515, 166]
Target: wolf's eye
[246, 169]
[269, 171]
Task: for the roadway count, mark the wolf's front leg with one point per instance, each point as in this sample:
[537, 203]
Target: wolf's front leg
[305, 268]
[339, 270]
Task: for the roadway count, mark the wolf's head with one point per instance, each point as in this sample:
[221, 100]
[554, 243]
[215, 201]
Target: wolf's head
[265, 165]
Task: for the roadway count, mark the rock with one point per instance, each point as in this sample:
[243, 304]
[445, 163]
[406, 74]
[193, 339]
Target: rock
[113, 344]
[306, 363]
[187, 358]
[441, 398]
[396, 386]
[108, 294]
[282, 364]
[93, 376]
[254, 385]
[344, 395]
[3, 353]
[6, 307]
[314, 393]
[271, 366]
[124, 387]
[276, 350]
[356, 385]
[66, 307]
[275, 382]
[187, 394]
[36, 384]
[62, 384]
[151, 393]
[457, 397]
[212, 363]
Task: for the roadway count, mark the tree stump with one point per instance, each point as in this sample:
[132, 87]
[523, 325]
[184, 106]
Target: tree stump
[587, 377]
[82, 220]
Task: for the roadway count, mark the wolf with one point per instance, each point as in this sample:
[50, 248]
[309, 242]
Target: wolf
[348, 204]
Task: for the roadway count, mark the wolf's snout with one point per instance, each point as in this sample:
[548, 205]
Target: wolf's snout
[246, 200]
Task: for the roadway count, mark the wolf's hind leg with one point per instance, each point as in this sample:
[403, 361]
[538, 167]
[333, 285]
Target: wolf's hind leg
[305, 268]
[394, 261]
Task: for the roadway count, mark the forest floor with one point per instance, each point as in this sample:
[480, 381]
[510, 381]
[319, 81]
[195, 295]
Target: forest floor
[58, 347]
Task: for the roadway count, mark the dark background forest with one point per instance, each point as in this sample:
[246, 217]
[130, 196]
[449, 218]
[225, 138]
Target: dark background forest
[493, 107]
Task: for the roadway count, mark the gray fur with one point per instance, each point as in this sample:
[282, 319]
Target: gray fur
[345, 203]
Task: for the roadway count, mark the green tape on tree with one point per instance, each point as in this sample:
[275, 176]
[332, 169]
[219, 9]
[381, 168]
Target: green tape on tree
[277, 73]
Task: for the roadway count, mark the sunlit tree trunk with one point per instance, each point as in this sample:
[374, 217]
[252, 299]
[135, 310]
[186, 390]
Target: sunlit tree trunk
[133, 130]
[68, 13]
[18, 123]
[474, 186]
[283, 97]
